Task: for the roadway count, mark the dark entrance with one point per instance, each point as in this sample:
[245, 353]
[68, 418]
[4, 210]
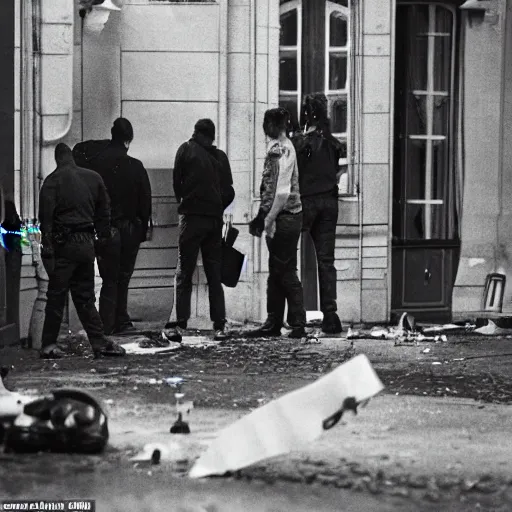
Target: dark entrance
[8, 330]
[426, 243]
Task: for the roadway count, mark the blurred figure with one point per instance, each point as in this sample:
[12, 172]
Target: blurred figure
[129, 190]
[73, 207]
[280, 216]
[318, 154]
[202, 183]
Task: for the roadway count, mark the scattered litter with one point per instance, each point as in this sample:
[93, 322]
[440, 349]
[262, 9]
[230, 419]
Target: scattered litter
[491, 329]
[294, 420]
[154, 341]
[405, 332]
[436, 363]
[175, 382]
[426, 351]
[154, 453]
[310, 340]
[134, 348]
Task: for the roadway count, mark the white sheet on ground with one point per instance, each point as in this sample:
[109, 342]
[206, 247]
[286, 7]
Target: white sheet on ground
[289, 423]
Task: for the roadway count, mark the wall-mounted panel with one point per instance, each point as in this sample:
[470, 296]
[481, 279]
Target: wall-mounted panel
[170, 76]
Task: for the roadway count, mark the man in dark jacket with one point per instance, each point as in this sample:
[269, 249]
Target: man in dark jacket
[318, 154]
[202, 183]
[129, 189]
[73, 207]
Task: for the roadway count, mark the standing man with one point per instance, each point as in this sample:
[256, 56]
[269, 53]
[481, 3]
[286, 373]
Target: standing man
[203, 187]
[280, 215]
[318, 154]
[73, 207]
[129, 189]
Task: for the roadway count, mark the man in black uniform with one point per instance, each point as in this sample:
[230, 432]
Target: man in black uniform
[318, 154]
[202, 183]
[129, 189]
[73, 207]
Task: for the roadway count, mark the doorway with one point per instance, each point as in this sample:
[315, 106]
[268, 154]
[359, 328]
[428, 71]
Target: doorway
[426, 243]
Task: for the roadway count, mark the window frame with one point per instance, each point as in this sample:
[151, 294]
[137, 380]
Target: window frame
[293, 5]
[430, 93]
[346, 137]
[332, 8]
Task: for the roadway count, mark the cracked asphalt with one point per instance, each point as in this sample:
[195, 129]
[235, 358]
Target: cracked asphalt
[435, 439]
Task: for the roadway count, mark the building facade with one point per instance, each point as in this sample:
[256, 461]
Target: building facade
[420, 93]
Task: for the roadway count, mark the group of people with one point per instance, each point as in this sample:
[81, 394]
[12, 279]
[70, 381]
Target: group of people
[97, 205]
[299, 192]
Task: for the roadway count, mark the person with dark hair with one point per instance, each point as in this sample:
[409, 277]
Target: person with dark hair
[73, 208]
[129, 190]
[202, 184]
[318, 154]
[280, 216]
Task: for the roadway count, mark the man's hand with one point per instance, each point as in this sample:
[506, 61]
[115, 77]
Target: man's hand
[256, 226]
[270, 227]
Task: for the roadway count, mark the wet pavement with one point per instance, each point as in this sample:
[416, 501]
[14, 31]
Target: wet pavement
[434, 440]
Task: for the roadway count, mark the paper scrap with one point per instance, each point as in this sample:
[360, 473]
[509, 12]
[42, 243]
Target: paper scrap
[290, 422]
[490, 329]
[134, 348]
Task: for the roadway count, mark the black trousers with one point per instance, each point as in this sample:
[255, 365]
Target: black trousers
[320, 216]
[200, 232]
[283, 281]
[116, 262]
[73, 270]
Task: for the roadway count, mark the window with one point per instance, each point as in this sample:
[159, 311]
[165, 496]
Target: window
[337, 69]
[426, 105]
[290, 59]
[315, 55]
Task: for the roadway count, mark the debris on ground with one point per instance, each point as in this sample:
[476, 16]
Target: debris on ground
[294, 420]
[148, 346]
[491, 329]
[408, 331]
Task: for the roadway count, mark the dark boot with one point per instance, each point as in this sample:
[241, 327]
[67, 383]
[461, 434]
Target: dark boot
[298, 333]
[127, 328]
[220, 331]
[51, 352]
[331, 323]
[107, 348]
[173, 330]
[269, 329]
